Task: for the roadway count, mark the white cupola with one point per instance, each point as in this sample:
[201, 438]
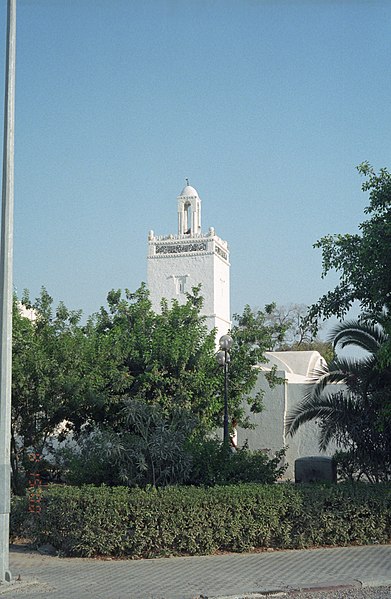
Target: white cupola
[189, 211]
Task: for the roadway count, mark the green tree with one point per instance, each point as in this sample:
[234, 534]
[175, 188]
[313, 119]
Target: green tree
[353, 415]
[160, 384]
[84, 376]
[168, 359]
[363, 260]
[253, 336]
[49, 379]
[164, 359]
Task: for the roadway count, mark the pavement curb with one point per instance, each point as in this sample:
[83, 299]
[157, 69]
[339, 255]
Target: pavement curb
[257, 595]
[297, 589]
[284, 575]
[17, 585]
[326, 588]
[332, 587]
[376, 582]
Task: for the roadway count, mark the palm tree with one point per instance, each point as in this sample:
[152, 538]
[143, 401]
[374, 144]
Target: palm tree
[348, 399]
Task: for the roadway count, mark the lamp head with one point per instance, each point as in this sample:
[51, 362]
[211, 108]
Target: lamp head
[220, 357]
[226, 342]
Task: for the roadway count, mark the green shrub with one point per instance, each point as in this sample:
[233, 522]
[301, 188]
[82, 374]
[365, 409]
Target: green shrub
[353, 465]
[119, 521]
[344, 514]
[86, 462]
[151, 449]
[213, 463]
[168, 458]
[18, 517]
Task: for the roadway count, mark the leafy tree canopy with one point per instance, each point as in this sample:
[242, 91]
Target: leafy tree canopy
[363, 260]
[168, 359]
[165, 359]
[50, 377]
[82, 377]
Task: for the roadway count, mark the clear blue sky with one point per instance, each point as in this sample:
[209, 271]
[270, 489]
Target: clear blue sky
[266, 106]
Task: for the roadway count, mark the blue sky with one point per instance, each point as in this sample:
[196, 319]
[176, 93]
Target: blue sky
[266, 106]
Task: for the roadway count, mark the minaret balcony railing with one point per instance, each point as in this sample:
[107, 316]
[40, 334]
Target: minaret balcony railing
[186, 236]
[184, 244]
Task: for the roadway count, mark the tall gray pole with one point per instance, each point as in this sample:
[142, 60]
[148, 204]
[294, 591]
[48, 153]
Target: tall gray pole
[6, 291]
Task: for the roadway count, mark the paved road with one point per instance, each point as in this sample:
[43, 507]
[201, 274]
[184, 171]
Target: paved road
[345, 569]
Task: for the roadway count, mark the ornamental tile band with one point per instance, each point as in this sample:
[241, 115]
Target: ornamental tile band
[180, 248]
[221, 253]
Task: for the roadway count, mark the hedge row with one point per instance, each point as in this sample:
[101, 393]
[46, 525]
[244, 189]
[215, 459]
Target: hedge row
[91, 521]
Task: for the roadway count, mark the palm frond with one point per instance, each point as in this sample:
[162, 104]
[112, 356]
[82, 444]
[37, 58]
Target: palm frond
[347, 413]
[367, 336]
[310, 408]
[333, 410]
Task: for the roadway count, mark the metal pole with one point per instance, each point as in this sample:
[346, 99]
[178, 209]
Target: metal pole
[226, 431]
[6, 291]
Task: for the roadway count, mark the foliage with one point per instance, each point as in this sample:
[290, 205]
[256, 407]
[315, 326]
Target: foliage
[215, 464]
[343, 514]
[157, 444]
[50, 379]
[91, 521]
[84, 461]
[19, 524]
[363, 260]
[353, 415]
[348, 466]
[360, 417]
[150, 450]
[292, 318]
[133, 378]
[294, 327]
[295, 331]
[168, 359]
[162, 359]
[161, 452]
[253, 335]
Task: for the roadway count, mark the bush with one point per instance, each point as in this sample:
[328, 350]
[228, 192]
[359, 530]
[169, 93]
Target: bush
[119, 521]
[151, 450]
[213, 463]
[344, 514]
[105, 457]
[18, 517]
[353, 465]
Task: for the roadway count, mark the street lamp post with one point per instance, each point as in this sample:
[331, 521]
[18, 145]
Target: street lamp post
[224, 358]
[6, 291]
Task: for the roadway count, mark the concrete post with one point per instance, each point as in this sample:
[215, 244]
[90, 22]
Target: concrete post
[6, 291]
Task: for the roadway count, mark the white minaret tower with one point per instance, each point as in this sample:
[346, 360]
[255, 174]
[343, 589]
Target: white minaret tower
[176, 263]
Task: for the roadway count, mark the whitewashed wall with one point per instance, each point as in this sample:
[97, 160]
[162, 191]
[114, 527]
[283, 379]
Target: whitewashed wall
[172, 274]
[270, 423]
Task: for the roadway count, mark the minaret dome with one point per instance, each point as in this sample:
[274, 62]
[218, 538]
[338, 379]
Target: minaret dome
[189, 211]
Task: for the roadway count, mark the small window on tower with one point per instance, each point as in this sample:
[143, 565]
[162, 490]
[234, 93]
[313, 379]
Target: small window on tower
[180, 284]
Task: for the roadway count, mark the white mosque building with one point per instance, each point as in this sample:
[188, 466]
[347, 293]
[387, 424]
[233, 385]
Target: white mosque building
[176, 263]
[296, 369]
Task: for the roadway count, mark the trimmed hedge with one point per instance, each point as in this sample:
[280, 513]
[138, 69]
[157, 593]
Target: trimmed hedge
[118, 521]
